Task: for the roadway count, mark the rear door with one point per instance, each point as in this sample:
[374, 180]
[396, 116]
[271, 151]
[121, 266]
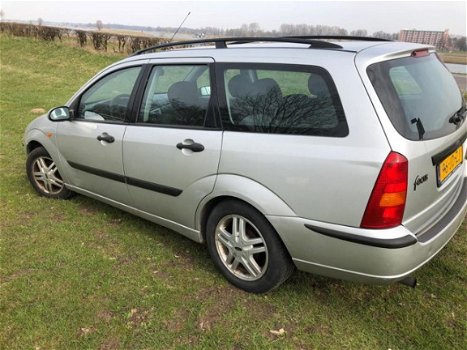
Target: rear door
[426, 109]
[91, 143]
[171, 153]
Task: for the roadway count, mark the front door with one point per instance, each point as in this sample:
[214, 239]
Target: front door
[91, 143]
[171, 154]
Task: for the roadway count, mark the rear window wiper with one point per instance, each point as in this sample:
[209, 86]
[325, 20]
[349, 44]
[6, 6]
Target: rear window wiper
[420, 128]
[458, 117]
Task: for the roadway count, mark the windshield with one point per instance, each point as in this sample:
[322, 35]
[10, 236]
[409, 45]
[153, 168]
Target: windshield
[419, 95]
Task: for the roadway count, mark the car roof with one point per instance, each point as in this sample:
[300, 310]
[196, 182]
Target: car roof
[284, 52]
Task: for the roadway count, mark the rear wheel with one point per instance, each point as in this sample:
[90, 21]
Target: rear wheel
[245, 248]
[44, 176]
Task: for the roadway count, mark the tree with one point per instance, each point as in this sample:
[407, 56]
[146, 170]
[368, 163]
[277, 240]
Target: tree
[460, 43]
[359, 32]
[382, 35]
[2, 14]
[253, 29]
[39, 21]
[81, 37]
[99, 24]
[244, 30]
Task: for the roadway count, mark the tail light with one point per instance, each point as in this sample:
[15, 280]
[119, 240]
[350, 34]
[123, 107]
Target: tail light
[386, 205]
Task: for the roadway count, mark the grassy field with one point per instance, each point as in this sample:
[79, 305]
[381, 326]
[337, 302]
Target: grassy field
[459, 57]
[79, 274]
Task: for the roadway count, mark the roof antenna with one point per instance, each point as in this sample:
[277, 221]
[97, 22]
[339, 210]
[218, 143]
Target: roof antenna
[173, 36]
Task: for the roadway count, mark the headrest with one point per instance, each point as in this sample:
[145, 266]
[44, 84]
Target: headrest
[240, 85]
[318, 86]
[267, 87]
[183, 94]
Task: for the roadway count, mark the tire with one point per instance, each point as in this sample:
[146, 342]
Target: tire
[44, 176]
[245, 248]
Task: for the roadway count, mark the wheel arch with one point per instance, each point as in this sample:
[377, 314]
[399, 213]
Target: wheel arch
[32, 145]
[275, 264]
[38, 138]
[245, 190]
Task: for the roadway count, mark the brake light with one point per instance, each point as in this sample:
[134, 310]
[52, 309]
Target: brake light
[386, 205]
[420, 53]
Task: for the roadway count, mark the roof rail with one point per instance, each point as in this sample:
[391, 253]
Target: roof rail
[337, 37]
[221, 43]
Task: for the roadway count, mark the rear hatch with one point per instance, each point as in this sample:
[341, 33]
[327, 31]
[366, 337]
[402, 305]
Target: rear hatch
[423, 113]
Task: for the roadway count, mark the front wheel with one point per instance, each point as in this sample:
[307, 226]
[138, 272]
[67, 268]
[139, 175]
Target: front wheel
[245, 248]
[44, 175]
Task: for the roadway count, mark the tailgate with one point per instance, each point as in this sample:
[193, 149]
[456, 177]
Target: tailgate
[436, 174]
[423, 114]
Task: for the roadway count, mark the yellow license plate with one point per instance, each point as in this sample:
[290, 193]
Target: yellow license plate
[448, 165]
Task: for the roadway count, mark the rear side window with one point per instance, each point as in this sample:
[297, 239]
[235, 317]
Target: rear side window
[418, 94]
[280, 99]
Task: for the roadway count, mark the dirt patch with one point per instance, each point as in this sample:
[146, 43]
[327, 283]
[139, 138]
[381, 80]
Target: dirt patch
[56, 217]
[177, 321]
[27, 216]
[84, 331]
[111, 343]
[260, 309]
[188, 342]
[105, 316]
[161, 274]
[224, 299]
[137, 317]
[125, 260]
[319, 329]
[182, 260]
[100, 235]
[86, 211]
[38, 111]
[281, 330]
[17, 274]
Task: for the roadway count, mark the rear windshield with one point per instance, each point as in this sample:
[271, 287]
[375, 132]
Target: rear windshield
[419, 95]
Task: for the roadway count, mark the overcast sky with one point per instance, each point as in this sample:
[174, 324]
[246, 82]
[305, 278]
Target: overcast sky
[389, 16]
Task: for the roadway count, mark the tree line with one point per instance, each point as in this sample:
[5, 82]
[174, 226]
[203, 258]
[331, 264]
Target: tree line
[98, 39]
[131, 43]
[254, 29]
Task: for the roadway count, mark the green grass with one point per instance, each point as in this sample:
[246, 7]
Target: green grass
[79, 274]
[456, 57]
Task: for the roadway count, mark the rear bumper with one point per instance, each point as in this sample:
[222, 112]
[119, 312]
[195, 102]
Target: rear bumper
[372, 256]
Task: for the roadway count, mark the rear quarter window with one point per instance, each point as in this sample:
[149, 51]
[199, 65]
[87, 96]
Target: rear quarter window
[280, 99]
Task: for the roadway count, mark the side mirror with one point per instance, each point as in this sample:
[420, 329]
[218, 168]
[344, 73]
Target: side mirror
[58, 114]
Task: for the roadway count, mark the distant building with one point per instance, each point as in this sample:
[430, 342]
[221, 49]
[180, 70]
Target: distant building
[430, 37]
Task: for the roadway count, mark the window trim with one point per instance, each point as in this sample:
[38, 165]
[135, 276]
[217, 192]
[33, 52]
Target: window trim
[212, 120]
[342, 126]
[75, 104]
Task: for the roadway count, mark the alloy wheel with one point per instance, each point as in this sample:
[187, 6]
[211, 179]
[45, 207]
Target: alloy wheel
[46, 175]
[241, 247]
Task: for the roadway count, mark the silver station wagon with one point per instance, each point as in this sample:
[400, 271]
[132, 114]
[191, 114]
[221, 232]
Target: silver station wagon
[344, 158]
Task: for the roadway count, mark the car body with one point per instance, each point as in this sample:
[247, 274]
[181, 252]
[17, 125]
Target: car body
[299, 140]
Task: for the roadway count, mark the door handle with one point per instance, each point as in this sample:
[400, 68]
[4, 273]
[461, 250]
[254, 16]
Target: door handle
[195, 147]
[105, 137]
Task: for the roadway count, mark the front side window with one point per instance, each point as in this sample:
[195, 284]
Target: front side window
[107, 100]
[281, 99]
[176, 95]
